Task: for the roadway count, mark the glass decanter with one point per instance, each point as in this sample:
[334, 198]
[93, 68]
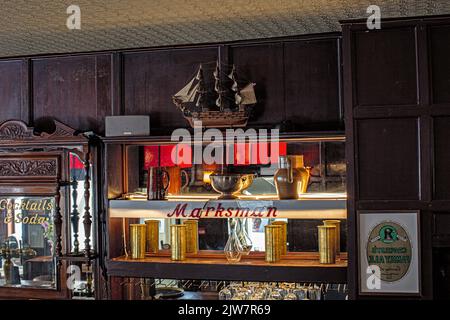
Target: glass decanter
[242, 232]
[233, 249]
[225, 294]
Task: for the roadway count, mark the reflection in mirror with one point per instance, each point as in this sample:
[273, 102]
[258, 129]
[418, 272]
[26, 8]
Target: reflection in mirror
[27, 242]
[213, 233]
[325, 161]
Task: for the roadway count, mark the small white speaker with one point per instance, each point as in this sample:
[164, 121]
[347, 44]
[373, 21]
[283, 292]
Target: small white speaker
[119, 126]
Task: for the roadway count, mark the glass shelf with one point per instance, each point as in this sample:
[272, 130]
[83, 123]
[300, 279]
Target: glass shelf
[310, 207]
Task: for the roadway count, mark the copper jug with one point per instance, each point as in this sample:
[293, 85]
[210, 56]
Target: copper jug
[176, 185]
[292, 178]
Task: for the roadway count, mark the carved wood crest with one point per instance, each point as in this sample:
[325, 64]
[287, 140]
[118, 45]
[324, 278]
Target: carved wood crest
[32, 168]
[18, 131]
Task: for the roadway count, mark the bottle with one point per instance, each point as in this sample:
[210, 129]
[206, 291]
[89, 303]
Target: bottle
[246, 242]
[8, 269]
[233, 248]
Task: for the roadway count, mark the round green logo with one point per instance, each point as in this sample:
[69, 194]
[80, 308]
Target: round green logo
[388, 234]
[389, 247]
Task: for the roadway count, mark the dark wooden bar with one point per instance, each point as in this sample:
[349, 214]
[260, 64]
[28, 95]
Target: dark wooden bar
[306, 270]
[386, 91]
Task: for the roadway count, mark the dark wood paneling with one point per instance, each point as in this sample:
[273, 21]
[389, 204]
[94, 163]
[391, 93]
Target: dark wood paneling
[441, 273]
[152, 78]
[440, 63]
[114, 177]
[75, 90]
[13, 90]
[388, 159]
[441, 229]
[312, 83]
[441, 158]
[385, 67]
[263, 65]
[441, 225]
[297, 81]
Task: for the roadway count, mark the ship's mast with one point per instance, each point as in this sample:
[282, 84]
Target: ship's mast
[218, 87]
[235, 87]
[201, 100]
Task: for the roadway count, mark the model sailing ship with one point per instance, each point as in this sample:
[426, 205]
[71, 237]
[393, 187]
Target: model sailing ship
[225, 104]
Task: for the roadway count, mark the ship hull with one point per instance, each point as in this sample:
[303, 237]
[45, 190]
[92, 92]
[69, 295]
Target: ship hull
[218, 119]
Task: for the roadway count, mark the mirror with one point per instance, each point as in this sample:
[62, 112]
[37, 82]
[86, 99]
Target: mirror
[213, 233]
[187, 179]
[27, 242]
[190, 181]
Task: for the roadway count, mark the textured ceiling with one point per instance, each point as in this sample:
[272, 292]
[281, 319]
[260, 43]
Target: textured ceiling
[39, 26]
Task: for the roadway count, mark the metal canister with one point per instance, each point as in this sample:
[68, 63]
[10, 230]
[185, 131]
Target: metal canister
[137, 241]
[272, 239]
[336, 223]
[178, 241]
[283, 236]
[152, 235]
[327, 244]
[191, 236]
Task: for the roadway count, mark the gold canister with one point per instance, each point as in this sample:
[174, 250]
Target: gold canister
[272, 239]
[283, 236]
[178, 241]
[137, 241]
[327, 244]
[191, 236]
[152, 236]
[336, 223]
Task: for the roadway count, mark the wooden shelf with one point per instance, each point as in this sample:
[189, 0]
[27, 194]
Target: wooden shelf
[284, 136]
[298, 268]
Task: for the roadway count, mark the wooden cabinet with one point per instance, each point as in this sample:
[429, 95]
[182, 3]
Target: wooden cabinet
[49, 221]
[397, 108]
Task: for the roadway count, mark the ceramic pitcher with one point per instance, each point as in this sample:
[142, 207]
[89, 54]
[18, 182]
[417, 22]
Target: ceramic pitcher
[292, 178]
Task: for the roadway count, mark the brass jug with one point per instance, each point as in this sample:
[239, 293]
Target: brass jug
[292, 178]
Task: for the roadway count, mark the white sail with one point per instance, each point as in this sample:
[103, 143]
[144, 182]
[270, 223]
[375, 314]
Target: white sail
[187, 93]
[219, 101]
[218, 86]
[248, 94]
[235, 86]
[237, 99]
[197, 104]
[199, 74]
[192, 94]
[232, 76]
[216, 71]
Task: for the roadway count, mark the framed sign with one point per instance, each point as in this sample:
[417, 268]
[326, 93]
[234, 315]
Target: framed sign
[389, 255]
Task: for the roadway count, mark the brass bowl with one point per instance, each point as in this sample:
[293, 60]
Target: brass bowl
[228, 184]
[248, 180]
